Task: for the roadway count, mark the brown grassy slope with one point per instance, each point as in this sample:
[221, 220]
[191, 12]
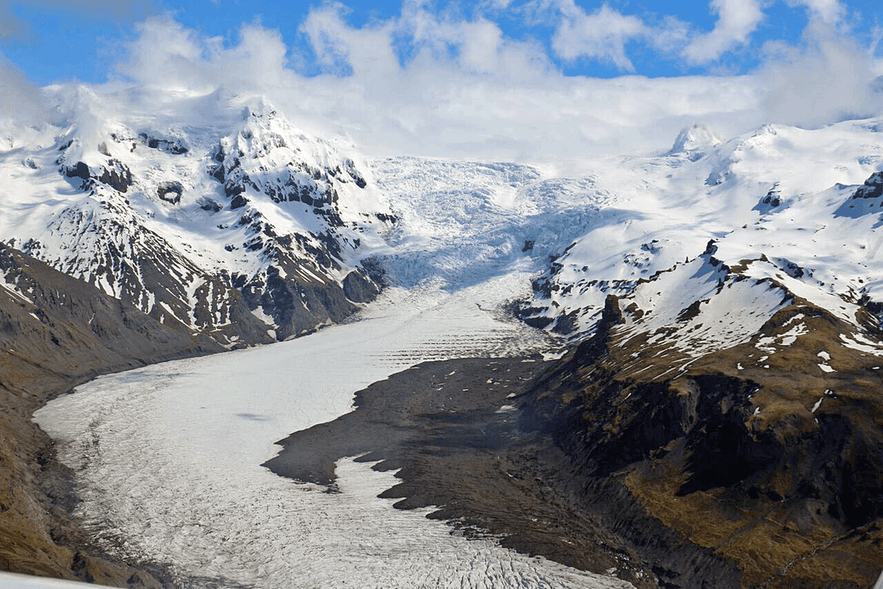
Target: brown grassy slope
[55, 333]
[735, 452]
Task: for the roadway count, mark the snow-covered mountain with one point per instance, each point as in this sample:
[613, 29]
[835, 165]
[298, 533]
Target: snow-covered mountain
[710, 223]
[232, 222]
[726, 299]
[241, 227]
[730, 355]
[782, 206]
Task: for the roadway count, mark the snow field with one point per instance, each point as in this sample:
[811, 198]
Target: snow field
[817, 241]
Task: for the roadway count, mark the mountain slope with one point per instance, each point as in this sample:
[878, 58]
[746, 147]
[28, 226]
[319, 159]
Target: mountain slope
[788, 195]
[764, 453]
[729, 386]
[242, 228]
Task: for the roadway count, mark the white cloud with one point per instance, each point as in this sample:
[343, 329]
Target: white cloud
[828, 11]
[828, 78]
[20, 101]
[167, 55]
[737, 19]
[465, 91]
[432, 84]
[476, 45]
[669, 36]
[484, 5]
[601, 35]
[338, 47]
[165, 52]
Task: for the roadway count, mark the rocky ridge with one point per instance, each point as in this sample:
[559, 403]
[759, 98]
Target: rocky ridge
[761, 452]
[248, 232]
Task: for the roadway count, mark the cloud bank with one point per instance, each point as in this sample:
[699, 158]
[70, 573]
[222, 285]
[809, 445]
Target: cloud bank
[449, 84]
[737, 19]
[465, 91]
[20, 100]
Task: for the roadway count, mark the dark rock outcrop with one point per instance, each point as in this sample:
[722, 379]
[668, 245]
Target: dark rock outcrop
[359, 288]
[297, 306]
[170, 146]
[78, 170]
[238, 201]
[872, 188]
[116, 175]
[170, 191]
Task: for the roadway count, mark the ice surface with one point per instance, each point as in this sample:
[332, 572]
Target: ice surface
[768, 343]
[464, 221]
[862, 344]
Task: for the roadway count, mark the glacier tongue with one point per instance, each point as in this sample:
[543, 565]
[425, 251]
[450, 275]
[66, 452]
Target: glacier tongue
[174, 475]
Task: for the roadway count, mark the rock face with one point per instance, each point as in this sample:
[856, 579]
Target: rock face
[872, 188]
[55, 332]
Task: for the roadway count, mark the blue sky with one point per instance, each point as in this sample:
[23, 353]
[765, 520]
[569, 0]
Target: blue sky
[57, 40]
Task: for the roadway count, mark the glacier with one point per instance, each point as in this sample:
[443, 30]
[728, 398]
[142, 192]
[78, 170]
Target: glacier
[169, 457]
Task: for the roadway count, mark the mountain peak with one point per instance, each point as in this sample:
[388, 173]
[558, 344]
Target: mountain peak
[261, 108]
[694, 138]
